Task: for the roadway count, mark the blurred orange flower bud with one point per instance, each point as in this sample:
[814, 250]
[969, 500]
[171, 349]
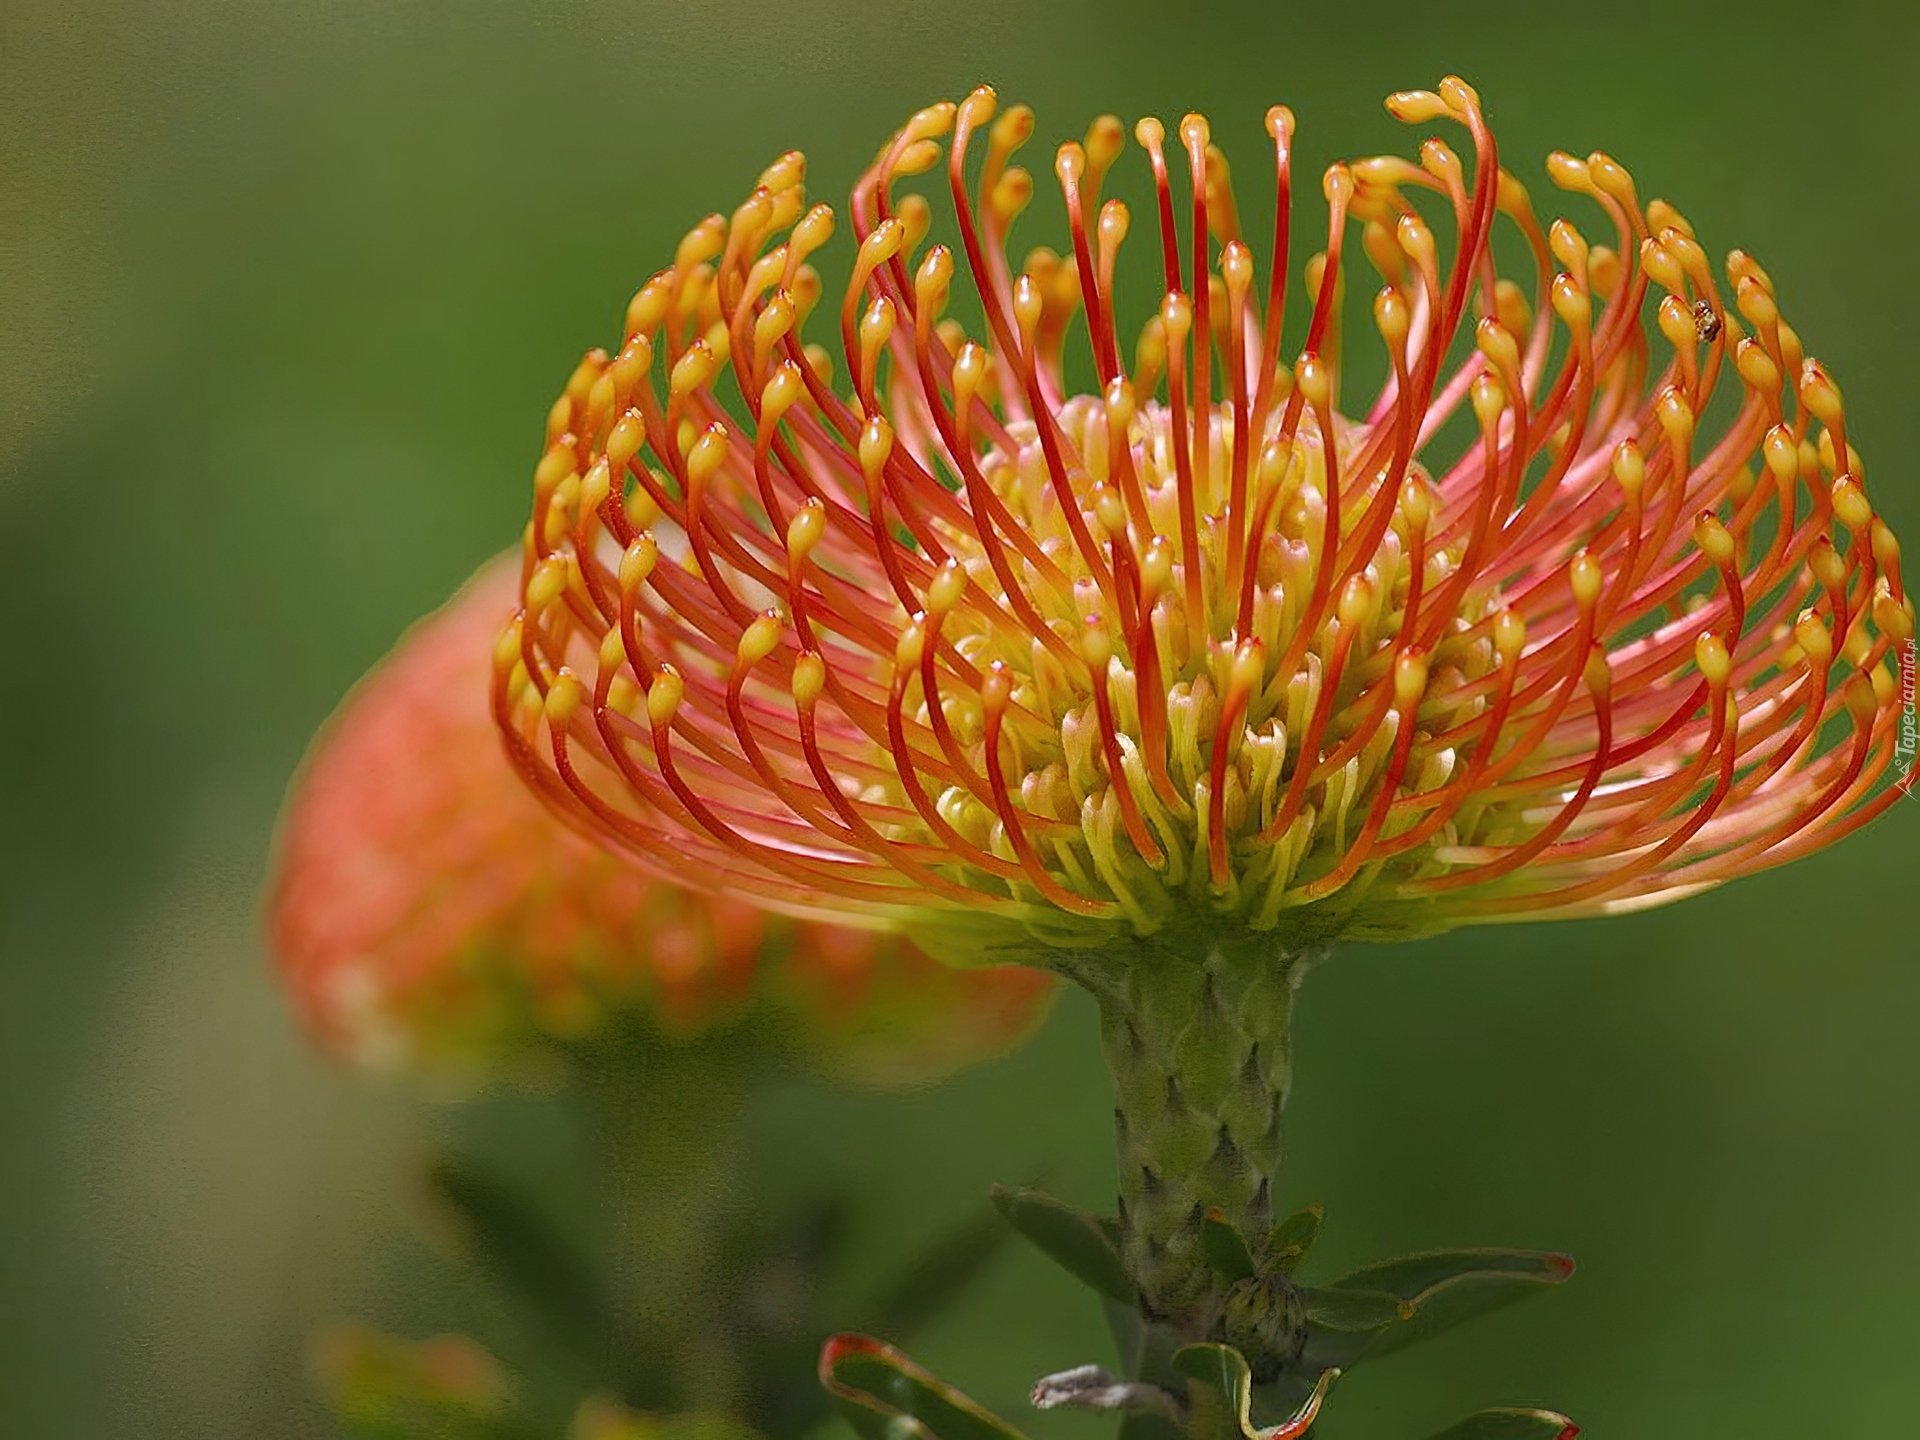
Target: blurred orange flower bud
[424, 909]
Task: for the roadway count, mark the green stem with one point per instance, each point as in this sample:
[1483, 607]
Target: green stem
[1196, 1034]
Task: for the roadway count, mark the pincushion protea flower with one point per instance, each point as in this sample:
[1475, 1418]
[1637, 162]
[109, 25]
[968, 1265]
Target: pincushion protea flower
[1165, 676]
[426, 909]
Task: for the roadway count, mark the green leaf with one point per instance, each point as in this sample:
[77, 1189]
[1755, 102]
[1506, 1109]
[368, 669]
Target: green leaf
[1226, 1253]
[938, 1276]
[1434, 1292]
[1361, 1311]
[1292, 1238]
[1072, 1239]
[1409, 1275]
[885, 1396]
[1220, 1392]
[522, 1252]
[1512, 1425]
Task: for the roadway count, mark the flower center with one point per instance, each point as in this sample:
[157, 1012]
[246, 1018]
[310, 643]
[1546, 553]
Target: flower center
[1164, 706]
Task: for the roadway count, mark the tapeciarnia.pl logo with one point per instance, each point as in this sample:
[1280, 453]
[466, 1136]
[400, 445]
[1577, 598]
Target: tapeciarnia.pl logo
[1908, 739]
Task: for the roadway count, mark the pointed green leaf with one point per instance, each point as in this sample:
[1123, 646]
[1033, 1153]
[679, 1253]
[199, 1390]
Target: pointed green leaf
[937, 1276]
[524, 1253]
[1435, 1291]
[1453, 1302]
[1226, 1253]
[1293, 1237]
[1074, 1240]
[1361, 1311]
[885, 1396]
[1408, 1275]
[1512, 1425]
[1220, 1392]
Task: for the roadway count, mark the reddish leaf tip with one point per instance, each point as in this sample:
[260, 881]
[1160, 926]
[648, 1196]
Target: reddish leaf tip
[846, 1343]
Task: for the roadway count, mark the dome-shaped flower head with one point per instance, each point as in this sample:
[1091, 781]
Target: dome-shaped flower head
[999, 605]
[425, 908]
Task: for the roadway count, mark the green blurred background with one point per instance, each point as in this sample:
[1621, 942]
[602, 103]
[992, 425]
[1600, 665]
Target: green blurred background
[286, 290]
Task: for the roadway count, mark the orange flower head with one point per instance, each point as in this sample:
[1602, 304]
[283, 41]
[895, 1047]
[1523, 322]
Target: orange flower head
[425, 908]
[1067, 629]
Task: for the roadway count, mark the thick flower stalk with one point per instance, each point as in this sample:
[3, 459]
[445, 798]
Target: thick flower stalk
[1135, 653]
[426, 911]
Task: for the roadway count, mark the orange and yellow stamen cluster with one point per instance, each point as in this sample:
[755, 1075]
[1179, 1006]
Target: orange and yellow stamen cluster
[1586, 608]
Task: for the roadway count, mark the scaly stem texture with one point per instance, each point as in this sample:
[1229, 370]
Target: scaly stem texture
[1196, 1033]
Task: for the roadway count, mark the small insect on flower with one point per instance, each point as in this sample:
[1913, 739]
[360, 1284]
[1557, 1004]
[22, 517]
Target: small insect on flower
[1586, 608]
[425, 910]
